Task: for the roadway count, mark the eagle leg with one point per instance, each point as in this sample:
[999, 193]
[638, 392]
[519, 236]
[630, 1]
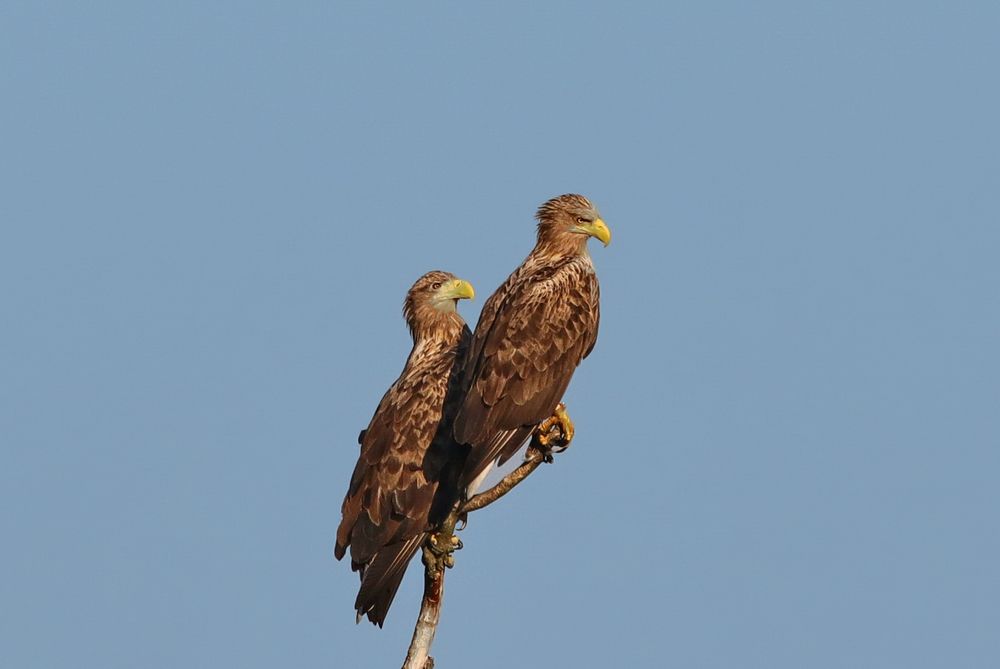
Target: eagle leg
[554, 434]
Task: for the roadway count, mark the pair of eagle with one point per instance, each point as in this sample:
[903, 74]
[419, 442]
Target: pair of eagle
[466, 400]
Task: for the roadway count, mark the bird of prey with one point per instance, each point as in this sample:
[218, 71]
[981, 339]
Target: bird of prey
[532, 333]
[405, 480]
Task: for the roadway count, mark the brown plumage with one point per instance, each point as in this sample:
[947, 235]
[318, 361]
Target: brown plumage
[532, 333]
[406, 476]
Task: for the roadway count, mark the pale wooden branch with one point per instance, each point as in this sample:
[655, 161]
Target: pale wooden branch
[439, 545]
[417, 657]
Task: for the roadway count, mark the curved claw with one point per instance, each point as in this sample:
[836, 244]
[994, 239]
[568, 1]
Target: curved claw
[439, 551]
[439, 545]
[555, 432]
[566, 427]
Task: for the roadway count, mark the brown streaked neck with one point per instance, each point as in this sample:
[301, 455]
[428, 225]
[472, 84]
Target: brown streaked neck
[561, 245]
[435, 324]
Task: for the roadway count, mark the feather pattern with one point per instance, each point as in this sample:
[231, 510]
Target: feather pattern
[532, 334]
[406, 475]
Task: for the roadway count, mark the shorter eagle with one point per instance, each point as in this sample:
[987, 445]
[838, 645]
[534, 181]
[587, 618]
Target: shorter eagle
[533, 332]
[406, 478]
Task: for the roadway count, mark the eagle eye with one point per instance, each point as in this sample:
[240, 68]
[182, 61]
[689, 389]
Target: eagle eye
[436, 285]
[582, 221]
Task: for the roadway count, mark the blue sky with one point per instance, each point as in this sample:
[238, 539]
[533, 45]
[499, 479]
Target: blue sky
[788, 434]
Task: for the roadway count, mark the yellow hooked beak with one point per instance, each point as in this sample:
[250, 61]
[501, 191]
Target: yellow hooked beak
[598, 229]
[458, 290]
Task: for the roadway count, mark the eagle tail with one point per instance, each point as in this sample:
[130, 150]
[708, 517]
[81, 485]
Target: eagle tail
[381, 578]
[500, 448]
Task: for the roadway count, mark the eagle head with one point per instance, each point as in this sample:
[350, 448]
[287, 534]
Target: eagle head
[433, 300]
[569, 220]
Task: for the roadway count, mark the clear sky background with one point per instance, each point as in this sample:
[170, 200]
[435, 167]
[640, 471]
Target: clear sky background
[788, 449]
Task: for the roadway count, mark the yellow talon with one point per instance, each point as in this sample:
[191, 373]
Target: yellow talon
[438, 551]
[557, 430]
[565, 424]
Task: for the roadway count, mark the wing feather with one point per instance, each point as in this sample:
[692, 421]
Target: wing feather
[533, 333]
[408, 460]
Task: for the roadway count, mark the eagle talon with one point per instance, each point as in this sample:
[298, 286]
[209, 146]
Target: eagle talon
[439, 551]
[441, 546]
[555, 433]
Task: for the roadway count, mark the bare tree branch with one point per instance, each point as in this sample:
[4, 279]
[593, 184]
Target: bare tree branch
[438, 547]
[417, 657]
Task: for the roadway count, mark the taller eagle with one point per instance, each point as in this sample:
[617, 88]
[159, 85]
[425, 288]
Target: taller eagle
[406, 478]
[532, 333]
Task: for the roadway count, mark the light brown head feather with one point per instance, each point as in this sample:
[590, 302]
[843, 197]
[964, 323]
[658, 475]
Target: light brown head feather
[556, 220]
